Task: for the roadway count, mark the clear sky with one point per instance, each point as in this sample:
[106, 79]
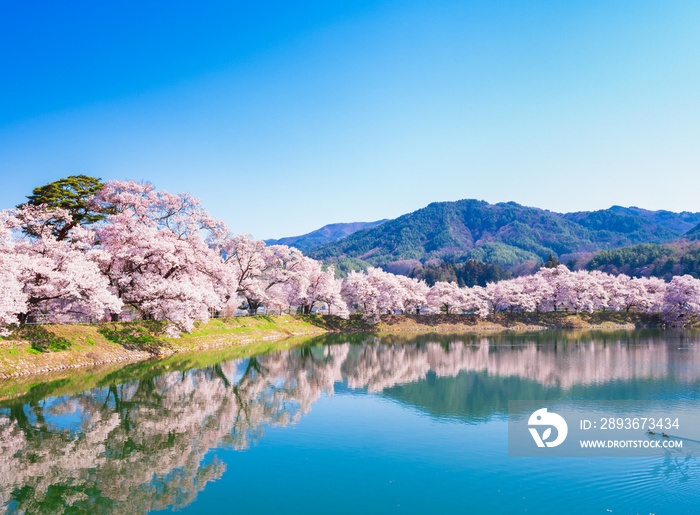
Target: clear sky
[285, 116]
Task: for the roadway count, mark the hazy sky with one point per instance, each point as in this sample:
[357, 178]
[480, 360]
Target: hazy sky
[285, 116]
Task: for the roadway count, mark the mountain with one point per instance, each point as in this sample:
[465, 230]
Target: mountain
[505, 233]
[326, 234]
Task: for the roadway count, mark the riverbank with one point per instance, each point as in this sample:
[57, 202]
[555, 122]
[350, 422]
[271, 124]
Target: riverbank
[50, 348]
[37, 350]
[517, 322]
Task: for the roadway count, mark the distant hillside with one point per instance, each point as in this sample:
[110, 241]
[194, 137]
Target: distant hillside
[649, 259]
[326, 234]
[679, 222]
[611, 228]
[468, 274]
[693, 234]
[506, 233]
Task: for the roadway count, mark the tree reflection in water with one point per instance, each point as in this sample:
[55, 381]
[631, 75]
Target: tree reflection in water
[144, 444]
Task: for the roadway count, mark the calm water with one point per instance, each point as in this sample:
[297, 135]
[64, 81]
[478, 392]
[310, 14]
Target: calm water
[349, 424]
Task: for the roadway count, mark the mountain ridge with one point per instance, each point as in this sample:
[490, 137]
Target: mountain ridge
[324, 235]
[506, 233]
[681, 222]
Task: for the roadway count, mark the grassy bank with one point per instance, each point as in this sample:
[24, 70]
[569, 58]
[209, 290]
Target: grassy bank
[49, 348]
[42, 349]
[66, 382]
[518, 322]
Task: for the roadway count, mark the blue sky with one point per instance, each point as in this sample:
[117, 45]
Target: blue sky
[285, 116]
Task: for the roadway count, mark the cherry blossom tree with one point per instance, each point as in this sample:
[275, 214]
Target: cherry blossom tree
[681, 300]
[583, 292]
[327, 288]
[391, 292]
[558, 280]
[655, 290]
[156, 255]
[414, 293]
[523, 294]
[310, 285]
[276, 276]
[539, 290]
[13, 299]
[376, 292]
[361, 295]
[473, 300]
[633, 294]
[60, 277]
[501, 296]
[445, 297]
[245, 257]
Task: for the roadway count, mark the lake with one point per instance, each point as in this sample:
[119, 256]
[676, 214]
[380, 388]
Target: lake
[348, 424]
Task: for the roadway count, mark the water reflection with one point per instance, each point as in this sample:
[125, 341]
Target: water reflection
[144, 444]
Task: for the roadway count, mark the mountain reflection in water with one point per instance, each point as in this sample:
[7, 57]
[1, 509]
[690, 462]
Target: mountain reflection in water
[144, 444]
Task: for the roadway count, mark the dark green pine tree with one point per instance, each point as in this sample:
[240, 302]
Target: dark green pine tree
[552, 262]
[71, 194]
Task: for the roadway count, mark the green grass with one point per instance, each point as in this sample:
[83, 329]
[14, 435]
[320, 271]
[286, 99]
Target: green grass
[57, 346]
[41, 338]
[141, 336]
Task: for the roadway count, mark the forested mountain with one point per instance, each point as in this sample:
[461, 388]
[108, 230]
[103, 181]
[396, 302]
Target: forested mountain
[679, 222]
[613, 229]
[694, 233]
[326, 234]
[505, 233]
[649, 259]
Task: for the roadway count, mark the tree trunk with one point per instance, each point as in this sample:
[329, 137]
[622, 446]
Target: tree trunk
[253, 306]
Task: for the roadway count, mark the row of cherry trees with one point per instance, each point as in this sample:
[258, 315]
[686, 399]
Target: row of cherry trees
[158, 253]
[550, 289]
[164, 256]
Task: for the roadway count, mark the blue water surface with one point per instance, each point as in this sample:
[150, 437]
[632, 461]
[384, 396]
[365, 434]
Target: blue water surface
[351, 425]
